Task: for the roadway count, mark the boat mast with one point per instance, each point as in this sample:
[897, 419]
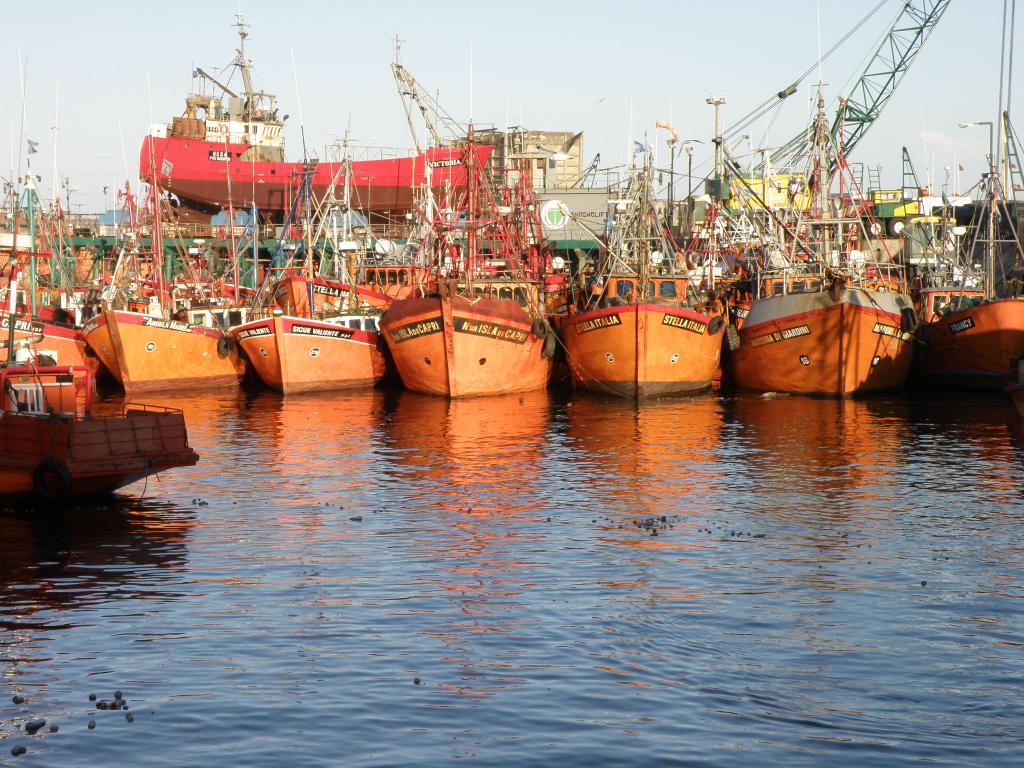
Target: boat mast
[243, 65]
[822, 182]
[472, 212]
[156, 233]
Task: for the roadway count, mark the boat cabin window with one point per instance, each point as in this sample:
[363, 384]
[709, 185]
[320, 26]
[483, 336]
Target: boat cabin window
[939, 303]
[505, 293]
[392, 277]
[777, 289]
[403, 277]
[667, 289]
[623, 288]
[235, 317]
[520, 296]
[814, 286]
[353, 322]
[797, 286]
[371, 277]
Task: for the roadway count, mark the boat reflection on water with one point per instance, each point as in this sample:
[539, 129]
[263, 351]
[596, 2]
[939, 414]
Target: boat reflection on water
[652, 459]
[57, 566]
[840, 455]
[475, 472]
[313, 449]
[461, 451]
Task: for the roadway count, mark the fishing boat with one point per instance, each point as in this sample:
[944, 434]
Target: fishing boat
[301, 354]
[485, 331]
[638, 329]
[335, 347]
[829, 317]
[36, 319]
[53, 447]
[152, 340]
[230, 144]
[973, 336]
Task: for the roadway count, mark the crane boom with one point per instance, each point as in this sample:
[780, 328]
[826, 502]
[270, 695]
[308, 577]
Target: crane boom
[877, 83]
[430, 109]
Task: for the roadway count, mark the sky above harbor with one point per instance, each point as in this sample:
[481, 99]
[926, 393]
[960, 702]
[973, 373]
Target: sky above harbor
[98, 74]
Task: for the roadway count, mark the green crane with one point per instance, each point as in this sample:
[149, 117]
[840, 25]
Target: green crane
[876, 85]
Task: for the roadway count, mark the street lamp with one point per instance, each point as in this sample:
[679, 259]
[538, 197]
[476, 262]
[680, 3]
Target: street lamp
[991, 157]
[688, 146]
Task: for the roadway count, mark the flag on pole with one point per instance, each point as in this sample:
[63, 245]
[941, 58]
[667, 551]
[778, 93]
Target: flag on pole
[31, 146]
[639, 147]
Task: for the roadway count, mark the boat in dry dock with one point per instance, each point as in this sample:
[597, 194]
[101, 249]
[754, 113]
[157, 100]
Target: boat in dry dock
[52, 446]
[637, 329]
[228, 149]
[486, 330]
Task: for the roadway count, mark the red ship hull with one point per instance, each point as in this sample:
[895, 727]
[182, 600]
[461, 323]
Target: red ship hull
[194, 170]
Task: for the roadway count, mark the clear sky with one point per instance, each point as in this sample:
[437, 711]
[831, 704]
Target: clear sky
[116, 66]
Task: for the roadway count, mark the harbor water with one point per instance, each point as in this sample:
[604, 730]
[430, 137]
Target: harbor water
[386, 579]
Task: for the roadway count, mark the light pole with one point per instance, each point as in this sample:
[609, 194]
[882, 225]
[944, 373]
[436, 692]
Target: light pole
[717, 102]
[991, 157]
[688, 146]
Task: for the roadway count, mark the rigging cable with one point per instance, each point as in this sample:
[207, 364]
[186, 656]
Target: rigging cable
[762, 109]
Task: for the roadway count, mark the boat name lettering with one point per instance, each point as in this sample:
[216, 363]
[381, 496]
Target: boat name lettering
[741, 312]
[312, 330]
[685, 323]
[249, 333]
[326, 290]
[445, 163]
[415, 330]
[594, 323]
[219, 155]
[170, 325]
[493, 330]
[961, 325]
[24, 326]
[890, 330]
[783, 335]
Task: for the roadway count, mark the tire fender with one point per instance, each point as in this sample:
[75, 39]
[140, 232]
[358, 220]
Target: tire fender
[52, 479]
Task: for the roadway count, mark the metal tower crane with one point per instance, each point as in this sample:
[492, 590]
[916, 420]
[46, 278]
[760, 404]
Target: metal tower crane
[433, 114]
[877, 83]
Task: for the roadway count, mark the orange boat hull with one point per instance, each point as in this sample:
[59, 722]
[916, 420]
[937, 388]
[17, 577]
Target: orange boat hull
[97, 335]
[151, 355]
[457, 348]
[641, 350]
[817, 344]
[294, 354]
[99, 455]
[976, 347]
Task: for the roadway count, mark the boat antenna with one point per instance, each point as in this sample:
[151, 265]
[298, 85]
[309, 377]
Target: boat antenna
[298, 103]
[818, 9]
[1009, 66]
